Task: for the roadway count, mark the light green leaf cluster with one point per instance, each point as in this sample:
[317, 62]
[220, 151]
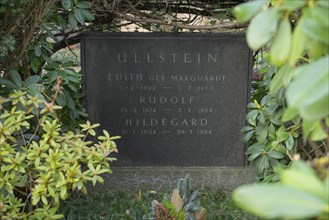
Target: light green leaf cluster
[299, 195]
[41, 164]
[296, 35]
[308, 90]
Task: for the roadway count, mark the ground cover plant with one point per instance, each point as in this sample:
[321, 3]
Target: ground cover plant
[122, 205]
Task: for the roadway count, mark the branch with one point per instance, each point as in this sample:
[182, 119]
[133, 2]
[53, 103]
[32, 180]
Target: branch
[227, 25]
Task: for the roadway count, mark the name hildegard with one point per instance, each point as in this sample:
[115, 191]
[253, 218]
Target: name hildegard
[167, 58]
[165, 122]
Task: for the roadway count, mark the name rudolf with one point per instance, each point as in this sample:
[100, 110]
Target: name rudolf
[166, 58]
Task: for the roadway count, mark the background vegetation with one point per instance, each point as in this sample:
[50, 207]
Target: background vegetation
[41, 96]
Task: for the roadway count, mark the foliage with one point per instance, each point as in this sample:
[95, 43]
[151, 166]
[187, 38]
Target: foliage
[41, 164]
[109, 204]
[300, 194]
[295, 34]
[291, 106]
[65, 56]
[182, 204]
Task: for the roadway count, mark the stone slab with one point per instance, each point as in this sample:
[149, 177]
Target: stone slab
[177, 99]
[133, 179]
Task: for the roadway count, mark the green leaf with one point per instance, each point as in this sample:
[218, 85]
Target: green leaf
[321, 15]
[275, 154]
[324, 3]
[297, 45]
[73, 22]
[310, 182]
[245, 11]
[262, 28]
[313, 131]
[8, 83]
[31, 80]
[66, 4]
[16, 78]
[289, 143]
[280, 49]
[255, 148]
[79, 16]
[247, 128]
[278, 79]
[37, 51]
[308, 92]
[88, 16]
[281, 134]
[84, 5]
[58, 216]
[289, 114]
[251, 116]
[61, 21]
[61, 100]
[248, 135]
[69, 100]
[262, 135]
[278, 201]
[292, 5]
[313, 29]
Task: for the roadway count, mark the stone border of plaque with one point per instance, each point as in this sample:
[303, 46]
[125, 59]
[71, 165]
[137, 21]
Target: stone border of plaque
[175, 98]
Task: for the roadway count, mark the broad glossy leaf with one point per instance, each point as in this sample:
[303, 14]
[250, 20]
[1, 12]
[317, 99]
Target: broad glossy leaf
[313, 131]
[66, 4]
[262, 135]
[84, 4]
[8, 83]
[310, 182]
[37, 51]
[280, 50]
[289, 114]
[16, 78]
[309, 87]
[317, 109]
[313, 29]
[31, 80]
[278, 201]
[248, 135]
[297, 45]
[321, 15]
[323, 3]
[278, 79]
[88, 16]
[262, 28]
[61, 21]
[275, 154]
[245, 11]
[251, 116]
[289, 143]
[292, 5]
[73, 22]
[61, 100]
[79, 16]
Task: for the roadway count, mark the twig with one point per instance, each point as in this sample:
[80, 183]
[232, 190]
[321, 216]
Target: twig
[227, 25]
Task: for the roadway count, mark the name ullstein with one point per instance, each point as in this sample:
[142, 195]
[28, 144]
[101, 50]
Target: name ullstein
[166, 58]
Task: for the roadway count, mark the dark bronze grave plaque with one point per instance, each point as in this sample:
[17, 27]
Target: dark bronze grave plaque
[176, 99]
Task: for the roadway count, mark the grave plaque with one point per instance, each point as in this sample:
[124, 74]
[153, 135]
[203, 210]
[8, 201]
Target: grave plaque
[176, 99]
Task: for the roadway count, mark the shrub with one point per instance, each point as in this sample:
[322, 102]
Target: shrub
[41, 164]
